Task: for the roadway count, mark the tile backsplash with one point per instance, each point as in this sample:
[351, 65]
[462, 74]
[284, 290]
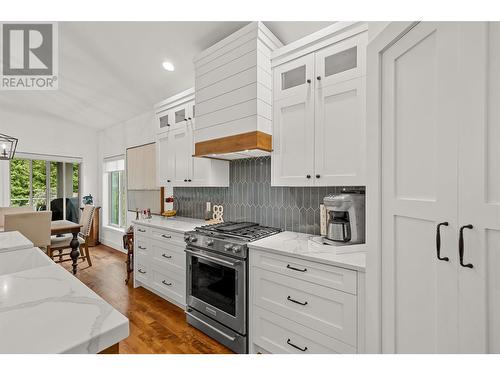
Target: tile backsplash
[250, 197]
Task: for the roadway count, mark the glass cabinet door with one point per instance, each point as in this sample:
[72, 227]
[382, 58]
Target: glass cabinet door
[293, 78]
[341, 61]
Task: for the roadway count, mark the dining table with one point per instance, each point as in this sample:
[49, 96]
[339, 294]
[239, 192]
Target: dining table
[59, 227]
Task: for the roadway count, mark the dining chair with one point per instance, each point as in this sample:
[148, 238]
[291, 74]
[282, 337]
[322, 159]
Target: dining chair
[33, 225]
[63, 243]
[12, 210]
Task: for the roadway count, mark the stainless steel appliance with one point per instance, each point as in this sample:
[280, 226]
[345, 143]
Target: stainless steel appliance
[217, 279]
[345, 218]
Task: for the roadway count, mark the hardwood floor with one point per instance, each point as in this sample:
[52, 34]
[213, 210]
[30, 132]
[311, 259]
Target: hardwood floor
[156, 326]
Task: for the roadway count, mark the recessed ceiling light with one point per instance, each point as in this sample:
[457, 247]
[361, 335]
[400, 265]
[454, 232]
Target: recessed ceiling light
[167, 65]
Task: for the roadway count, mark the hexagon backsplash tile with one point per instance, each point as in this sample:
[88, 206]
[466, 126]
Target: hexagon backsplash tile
[250, 197]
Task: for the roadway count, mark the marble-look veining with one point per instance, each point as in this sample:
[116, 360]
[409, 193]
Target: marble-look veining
[176, 224]
[47, 310]
[302, 246]
[13, 241]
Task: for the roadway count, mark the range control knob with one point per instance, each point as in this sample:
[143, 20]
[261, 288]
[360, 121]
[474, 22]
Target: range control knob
[186, 237]
[236, 249]
[193, 239]
[228, 247]
[210, 242]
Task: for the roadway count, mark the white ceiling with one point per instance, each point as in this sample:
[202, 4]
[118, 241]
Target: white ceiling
[110, 72]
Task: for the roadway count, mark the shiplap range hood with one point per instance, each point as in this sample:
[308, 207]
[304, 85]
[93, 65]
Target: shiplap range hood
[233, 95]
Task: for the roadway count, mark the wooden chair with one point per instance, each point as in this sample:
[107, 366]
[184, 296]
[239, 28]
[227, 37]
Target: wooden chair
[63, 243]
[35, 226]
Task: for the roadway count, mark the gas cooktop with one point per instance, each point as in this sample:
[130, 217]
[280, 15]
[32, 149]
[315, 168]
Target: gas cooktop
[244, 231]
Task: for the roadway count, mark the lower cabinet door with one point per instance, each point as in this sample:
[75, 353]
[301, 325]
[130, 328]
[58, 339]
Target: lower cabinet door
[169, 284]
[280, 335]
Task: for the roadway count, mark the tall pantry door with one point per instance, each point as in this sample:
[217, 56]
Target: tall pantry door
[479, 188]
[419, 191]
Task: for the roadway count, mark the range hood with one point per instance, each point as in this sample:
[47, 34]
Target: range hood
[239, 146]
[233, 95]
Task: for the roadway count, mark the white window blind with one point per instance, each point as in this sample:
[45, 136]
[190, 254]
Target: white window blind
[116, 163]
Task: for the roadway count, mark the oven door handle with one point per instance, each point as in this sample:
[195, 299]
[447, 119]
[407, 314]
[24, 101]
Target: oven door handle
[213, 259]
[231, 338]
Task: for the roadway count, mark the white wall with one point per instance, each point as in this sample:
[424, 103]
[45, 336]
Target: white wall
[114, 141]
[47, 135]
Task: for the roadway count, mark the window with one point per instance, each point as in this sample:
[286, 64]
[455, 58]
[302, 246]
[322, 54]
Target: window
[114, 177]
[46, 185]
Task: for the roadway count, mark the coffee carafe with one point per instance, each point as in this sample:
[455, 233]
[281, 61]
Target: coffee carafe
[345, 218]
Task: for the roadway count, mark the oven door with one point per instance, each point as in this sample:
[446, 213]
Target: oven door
[216, 287]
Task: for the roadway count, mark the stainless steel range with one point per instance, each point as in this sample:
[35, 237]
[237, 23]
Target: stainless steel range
[217, 279]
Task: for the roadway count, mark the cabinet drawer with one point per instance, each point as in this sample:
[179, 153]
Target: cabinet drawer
[329, 276]
[167, 236]
[325, 310]
[170, 255]
[141, 230]
[170, 284]
[141, 269]
[142, 244]
[281, 336]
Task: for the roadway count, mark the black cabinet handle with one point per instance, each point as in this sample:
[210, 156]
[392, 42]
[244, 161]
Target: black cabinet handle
[318, 176]
[141, 271]
[296, 269]
[461, 246]
[166, 236]
[141, 230]
[142, 248]
[438, 241]
[189, 180]
[308, 176]
[166, 256]
[168, 180]
[318, 78]
[189, 118]
[308, 81]
[295, 301]
[168, 124]
[185, 119]
[165, 283]
[296, 346]
[186, 180]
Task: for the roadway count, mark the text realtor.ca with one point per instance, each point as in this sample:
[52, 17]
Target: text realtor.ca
[29, 56]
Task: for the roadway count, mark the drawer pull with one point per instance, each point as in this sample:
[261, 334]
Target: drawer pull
[166, 236]
[295, 301]
[166, 256]
[296, 269]
[142, 248]
[141, 230]
[141, 271]
[165, 283]
[296, 346]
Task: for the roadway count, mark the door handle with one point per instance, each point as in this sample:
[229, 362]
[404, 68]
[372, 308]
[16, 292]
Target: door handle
[461, 246]
[438, 241]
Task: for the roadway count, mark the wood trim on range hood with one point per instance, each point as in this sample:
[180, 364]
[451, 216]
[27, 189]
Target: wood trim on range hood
[214, 148]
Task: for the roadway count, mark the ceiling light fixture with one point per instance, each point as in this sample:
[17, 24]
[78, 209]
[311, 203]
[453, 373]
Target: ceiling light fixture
[8, 146]
[167, 65]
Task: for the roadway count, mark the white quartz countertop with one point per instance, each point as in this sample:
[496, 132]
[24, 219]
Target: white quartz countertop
[13, 241]
[301, 245]
[45, 309]
[176, 223]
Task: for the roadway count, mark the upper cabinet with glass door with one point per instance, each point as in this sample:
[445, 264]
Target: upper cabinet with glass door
[174, 112]
[341, 61]
[293, 78]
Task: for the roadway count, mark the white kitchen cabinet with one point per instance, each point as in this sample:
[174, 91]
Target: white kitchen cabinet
[302, 307]
[176, 165]
[440, 130]
[160, 263]
[319, 113]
